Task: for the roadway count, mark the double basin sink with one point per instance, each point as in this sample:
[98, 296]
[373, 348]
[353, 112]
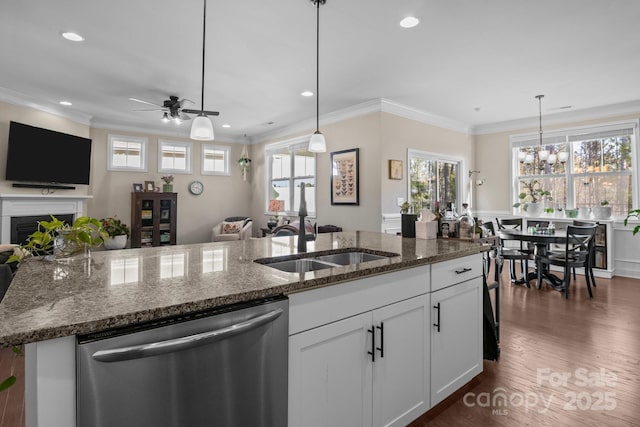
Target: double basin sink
[314, 261]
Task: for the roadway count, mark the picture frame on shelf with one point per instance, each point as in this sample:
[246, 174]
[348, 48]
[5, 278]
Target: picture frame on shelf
[149, 186]
[137, 187]
[345, 181]
[395, 169]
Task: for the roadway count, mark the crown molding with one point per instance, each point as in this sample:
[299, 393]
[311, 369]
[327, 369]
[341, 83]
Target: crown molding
[423, 116]
[594, 113]
[17, 98]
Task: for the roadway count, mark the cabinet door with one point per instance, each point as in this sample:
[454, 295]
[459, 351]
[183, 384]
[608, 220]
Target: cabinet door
[400, 370]
[330, 374]
[456, 337]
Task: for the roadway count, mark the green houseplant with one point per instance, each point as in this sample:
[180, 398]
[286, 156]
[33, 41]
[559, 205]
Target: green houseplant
[62, 239]
[633, 214]
[117, 231]
[167, 187]
[531, 196]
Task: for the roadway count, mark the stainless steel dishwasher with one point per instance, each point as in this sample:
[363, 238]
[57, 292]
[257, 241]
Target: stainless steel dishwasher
[225, 367]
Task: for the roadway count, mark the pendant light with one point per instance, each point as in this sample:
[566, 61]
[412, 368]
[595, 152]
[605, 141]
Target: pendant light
[317, 143]
[202, 128]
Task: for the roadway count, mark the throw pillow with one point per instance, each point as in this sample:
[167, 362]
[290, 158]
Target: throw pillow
[232, 227]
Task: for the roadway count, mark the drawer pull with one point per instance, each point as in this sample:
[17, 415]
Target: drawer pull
[381, 348]
[437, 324]
[463, 270]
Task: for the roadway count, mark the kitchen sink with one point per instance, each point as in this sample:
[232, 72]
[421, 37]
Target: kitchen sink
[348, 258]
[314, 261]
[301, 265]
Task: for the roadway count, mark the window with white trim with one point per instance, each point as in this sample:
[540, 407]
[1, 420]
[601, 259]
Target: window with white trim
[215, 160]
[127, 153]
[290, 164]
[600, 166]
[433, 180]
[174, 156]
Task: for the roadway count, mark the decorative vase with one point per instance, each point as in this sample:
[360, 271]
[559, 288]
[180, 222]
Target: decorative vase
[409, 225]
[534, 209]
[167, 188]
[601, 212]
[116, 242]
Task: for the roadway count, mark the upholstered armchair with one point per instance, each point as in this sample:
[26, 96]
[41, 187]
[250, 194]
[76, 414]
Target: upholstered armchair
[232, 228]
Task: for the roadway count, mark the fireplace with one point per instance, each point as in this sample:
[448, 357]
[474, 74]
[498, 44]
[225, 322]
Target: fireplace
[32, 208]
[23, 226]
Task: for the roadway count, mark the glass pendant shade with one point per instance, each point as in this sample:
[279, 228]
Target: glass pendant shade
[543, 155]
[528, 159]
[563, 156]
[552, 159]
[317, 144]
[202, 128]
[522, 155]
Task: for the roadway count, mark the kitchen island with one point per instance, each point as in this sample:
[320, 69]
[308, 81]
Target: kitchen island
[50, 302]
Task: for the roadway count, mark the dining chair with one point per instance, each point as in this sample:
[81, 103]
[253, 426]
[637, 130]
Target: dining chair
[514, 254]
[577, 252]
[592, 251]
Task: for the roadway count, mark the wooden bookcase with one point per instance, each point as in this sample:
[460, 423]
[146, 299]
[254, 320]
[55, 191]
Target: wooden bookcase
[153, 219]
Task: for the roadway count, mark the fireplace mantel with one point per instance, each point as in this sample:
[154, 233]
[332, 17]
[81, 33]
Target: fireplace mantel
[12, 205]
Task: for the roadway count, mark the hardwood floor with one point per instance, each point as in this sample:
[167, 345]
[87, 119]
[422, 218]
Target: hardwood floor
[572, 362]
[550, 347]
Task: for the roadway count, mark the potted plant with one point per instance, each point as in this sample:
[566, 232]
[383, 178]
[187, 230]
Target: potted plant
[633, 214]
[167, 187]
[530, 198]
[603, 211]
[61, 239]
[118, 233]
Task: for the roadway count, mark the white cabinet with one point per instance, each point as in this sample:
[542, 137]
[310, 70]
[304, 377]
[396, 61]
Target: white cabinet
[334, 380]
[456, 326]
[369, 369]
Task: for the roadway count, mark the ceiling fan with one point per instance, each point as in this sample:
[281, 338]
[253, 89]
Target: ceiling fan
[173, 108]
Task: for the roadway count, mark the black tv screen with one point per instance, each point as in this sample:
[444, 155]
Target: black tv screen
[45, 156]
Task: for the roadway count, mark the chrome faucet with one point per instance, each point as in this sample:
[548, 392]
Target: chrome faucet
[302, 212]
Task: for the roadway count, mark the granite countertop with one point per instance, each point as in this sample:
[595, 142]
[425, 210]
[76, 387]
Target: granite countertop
[52, 299]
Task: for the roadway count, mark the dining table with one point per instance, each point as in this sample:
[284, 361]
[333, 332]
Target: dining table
[541, 240]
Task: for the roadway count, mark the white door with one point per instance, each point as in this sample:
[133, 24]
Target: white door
[456, 337]
[400, 370]
[330, 375]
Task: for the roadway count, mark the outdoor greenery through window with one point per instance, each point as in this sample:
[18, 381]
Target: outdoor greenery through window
[599, 167]
[290, 165]
[433, 179]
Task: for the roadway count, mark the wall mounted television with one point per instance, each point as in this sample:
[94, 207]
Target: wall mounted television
[37, 155]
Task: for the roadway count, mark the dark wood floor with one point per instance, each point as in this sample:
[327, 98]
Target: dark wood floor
[544, 338]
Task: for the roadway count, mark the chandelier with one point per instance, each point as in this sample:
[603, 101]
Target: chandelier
[543, 159]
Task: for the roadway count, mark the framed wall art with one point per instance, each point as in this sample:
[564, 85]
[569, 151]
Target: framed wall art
[345, 181]
[395, 169]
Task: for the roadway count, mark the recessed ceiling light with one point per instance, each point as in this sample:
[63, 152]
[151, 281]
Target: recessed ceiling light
[74, 37]
[65, 103]
[226, 125]
[409, 22]
[307, 93]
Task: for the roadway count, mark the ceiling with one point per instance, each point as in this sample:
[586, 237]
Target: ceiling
[473, 62]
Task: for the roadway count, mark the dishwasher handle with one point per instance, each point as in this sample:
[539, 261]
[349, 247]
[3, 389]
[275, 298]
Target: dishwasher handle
[183, 343]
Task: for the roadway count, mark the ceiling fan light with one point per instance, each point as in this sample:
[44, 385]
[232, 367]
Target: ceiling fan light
[317, 143]
[202, 128]
[165, 118]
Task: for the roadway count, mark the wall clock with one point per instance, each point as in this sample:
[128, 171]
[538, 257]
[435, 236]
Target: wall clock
[196, 188]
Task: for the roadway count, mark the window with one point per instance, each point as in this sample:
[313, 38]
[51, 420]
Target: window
[291, 164]
[433, 179]
[127, 153]
[600, 165]
[174, 157]
[215, 160]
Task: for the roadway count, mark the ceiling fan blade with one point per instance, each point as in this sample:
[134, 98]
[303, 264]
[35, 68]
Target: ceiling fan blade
[208, 113]
[152, 109]
[144, 102]
[182, 101]
[184, 117]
